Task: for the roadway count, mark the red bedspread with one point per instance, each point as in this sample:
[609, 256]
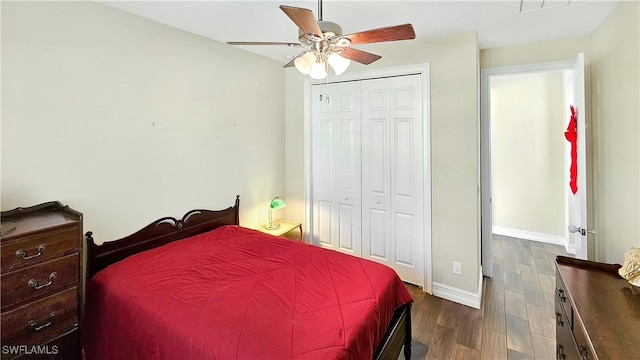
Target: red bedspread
[236, 293]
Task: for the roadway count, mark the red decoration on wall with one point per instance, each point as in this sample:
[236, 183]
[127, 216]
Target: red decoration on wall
[572, 136]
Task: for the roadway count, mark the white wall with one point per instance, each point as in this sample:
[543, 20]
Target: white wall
[615, 96]
[127, 120]
[294, 137]
[454, 147]
[527, 152]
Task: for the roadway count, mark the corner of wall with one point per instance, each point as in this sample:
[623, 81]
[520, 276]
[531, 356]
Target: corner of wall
[460, 296]
[615, 78]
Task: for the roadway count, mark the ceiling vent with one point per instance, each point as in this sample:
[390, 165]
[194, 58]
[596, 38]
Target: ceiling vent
[534, 5]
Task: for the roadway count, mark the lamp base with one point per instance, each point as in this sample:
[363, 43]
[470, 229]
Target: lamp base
[272, 226]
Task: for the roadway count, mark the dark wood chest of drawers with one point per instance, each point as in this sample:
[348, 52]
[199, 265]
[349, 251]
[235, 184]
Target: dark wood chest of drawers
[597, 313]
[41, 269]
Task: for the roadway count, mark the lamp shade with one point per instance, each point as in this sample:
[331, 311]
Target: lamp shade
[278, 202]
[338, 63]
[304, 62]
[318, 70]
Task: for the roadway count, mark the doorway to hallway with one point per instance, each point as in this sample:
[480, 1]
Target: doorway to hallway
[525, 158]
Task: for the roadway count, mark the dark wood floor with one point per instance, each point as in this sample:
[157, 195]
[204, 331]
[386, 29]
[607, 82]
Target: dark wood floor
[516, 318]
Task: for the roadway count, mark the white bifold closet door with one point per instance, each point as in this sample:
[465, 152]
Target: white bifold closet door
[336, 167]
[367, 184]
[392, 183]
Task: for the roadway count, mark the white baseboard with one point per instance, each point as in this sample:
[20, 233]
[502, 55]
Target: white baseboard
[458, 295]
[530, 235]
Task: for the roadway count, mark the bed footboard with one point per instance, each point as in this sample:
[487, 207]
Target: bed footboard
[398, 335]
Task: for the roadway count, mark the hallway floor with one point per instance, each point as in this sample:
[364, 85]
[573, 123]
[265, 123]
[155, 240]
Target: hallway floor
[516, 319]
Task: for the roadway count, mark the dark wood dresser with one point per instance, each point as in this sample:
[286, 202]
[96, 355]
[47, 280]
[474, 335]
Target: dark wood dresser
[41, 269]
[597, 313]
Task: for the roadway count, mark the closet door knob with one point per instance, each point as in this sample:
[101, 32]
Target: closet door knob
[378, 202]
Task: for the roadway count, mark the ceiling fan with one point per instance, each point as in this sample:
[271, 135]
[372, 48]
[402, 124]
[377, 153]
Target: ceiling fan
[327, 45]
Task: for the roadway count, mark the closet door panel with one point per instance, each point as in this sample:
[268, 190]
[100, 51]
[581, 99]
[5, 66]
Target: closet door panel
[322, 164]
[403, 97]
[376, 220]
[378, 235]
[403, 249]
[376, 157]
[347, 169]
[322, 170]
[347, 145]
[376, 96]
[407, 178]
[348, 228]
[392, 175]
[336, 167]
[347, 175]
[322, 222]
[403, 157]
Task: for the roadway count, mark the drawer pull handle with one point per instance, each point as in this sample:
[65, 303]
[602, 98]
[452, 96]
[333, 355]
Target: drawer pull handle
[37, 327]
[34, 283]
[561, 295]
[583, 352]
[560, 352]
[23, 254]
[559, 319]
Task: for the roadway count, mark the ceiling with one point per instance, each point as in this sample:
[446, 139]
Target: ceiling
[498, 23]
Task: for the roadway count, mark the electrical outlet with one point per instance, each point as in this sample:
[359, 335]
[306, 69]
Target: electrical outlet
[457, 268]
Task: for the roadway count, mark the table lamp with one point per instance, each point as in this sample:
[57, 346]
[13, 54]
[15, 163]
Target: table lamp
[277, 203]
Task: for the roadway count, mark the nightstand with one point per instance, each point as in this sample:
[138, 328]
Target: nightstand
[285, 227]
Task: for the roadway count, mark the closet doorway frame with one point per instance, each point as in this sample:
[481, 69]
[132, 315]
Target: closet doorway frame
[418, 69]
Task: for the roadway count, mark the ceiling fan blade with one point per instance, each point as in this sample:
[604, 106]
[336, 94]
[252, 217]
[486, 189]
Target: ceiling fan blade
[263, 43]
[292, 62]
[391, 33]
[360, 56]
[304, 19]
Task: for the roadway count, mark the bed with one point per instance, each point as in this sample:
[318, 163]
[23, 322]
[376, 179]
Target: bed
[202, 287]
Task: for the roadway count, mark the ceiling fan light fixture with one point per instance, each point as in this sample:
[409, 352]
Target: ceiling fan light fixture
[342, 41]
[328, 28]
[303, 63]
[326, 45]
[338, 63]
[318, 70]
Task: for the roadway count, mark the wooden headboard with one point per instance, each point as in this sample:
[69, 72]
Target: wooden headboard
[158, 233]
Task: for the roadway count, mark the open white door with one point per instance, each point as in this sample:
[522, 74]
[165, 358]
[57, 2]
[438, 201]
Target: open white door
[577, 203]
